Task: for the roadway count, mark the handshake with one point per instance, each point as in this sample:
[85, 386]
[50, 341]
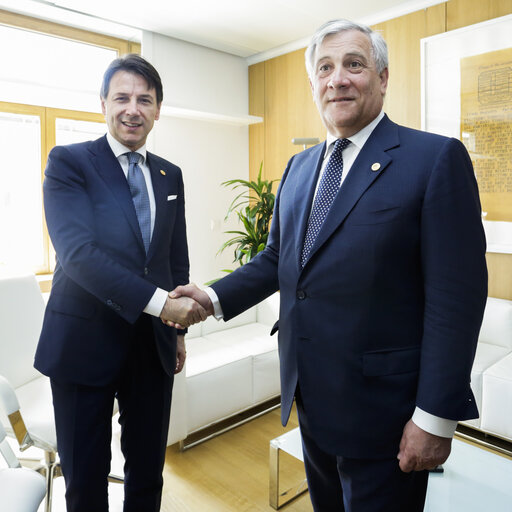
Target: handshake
[185, 306]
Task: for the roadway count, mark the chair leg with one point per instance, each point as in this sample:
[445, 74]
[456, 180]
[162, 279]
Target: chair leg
[52, 469]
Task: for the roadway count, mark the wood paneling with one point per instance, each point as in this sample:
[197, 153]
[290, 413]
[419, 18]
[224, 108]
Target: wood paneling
[257, 108]
[461, 13]
[403, 35]
[289, 110]
[500, 275]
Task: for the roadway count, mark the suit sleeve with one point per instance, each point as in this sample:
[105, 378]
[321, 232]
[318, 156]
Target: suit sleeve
[70, 220]
[455, 284]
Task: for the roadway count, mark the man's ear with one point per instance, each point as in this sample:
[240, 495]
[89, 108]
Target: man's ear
[384, 76]
[103, 106]
[157, 115]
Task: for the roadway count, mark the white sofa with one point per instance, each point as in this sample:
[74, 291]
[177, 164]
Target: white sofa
[231, 367]
[491, 377]
[234, 366]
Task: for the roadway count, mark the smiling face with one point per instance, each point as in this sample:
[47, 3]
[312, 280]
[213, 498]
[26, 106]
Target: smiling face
[347, 89]
[130, 109]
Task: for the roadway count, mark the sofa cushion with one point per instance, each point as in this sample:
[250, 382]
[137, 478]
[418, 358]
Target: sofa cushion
[265, 378]
[497, 398]
[486, 356]
[204, 355]
[213, 325]
[219, 392]
[497, 323]
[246, 340]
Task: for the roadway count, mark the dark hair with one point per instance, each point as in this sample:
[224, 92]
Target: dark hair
[133, 63]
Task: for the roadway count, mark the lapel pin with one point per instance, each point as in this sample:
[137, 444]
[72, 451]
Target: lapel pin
[162, 172]
[375, 166]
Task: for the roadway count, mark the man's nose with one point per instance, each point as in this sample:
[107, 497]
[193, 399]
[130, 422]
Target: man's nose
[339, 78]
[132, 108]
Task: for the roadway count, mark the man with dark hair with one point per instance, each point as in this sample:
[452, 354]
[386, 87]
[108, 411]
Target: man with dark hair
[116, 217]
[378, 251]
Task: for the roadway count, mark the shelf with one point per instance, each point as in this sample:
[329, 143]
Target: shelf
[186, 113]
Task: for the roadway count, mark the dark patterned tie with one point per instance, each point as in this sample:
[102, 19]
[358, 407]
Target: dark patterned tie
[140, 197]
[327, 190]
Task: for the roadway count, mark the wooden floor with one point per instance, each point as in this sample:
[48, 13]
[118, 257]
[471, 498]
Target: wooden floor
[229, 473]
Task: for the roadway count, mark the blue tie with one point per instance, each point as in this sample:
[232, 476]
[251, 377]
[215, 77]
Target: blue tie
[327, 190]
[140, 197]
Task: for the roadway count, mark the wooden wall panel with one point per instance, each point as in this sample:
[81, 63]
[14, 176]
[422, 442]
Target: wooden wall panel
[289, 110]
[500, 275]
[256, 108]
[403, 97]
[461, 13]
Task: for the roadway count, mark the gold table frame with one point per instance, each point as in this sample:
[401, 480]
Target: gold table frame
[290, 443]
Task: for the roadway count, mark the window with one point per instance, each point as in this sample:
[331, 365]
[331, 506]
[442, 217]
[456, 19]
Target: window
[30, 132]
[50, 82]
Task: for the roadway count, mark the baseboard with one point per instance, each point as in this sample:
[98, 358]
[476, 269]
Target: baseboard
[215, 429]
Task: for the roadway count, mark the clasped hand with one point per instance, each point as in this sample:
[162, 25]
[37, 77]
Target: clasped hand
[185, 306]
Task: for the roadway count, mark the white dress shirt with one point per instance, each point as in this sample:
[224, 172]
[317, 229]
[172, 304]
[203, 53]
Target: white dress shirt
[156, 303]
[426, 421]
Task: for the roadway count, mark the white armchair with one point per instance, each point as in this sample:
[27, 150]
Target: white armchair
[21, 489]
[22, 388]
[26, 408]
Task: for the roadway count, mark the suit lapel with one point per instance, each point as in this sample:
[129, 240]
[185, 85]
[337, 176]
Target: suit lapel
[371, 162]
[160, 192]
[110, 170]
[305, 185]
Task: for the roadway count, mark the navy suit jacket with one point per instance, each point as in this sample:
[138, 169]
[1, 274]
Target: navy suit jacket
[103, 278]
[386, 312]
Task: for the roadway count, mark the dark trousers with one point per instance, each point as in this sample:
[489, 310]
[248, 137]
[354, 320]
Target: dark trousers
[341, 484]
[83, 416]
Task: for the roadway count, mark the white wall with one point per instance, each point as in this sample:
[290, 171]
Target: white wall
[208, 153]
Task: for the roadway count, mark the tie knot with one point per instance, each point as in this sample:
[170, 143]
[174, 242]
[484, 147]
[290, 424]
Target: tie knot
[341, 144]
[133, 157]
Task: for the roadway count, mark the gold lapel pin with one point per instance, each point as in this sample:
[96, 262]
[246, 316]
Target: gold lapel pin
[162, 172]
[375, 166]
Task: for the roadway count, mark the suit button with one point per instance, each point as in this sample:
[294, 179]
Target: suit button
[109, 302]
[146, 271]
[301, 294]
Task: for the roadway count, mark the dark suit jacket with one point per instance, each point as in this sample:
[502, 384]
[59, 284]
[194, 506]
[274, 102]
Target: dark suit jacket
[103, 278]
[385, 314]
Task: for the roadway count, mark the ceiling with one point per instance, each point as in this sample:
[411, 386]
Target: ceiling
[241, 27]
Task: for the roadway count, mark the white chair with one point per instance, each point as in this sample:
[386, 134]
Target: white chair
[21, 489]
[25, 394]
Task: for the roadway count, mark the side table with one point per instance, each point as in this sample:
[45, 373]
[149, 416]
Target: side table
[291, 443]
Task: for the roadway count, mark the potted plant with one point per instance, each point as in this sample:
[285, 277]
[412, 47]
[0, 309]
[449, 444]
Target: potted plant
[253, 207]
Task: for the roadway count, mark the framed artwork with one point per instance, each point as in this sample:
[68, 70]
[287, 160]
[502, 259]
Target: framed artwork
[467, 94]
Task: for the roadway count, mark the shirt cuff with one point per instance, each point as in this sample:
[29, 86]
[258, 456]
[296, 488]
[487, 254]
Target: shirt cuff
[217, 308]
[156, 303]
[434, 424]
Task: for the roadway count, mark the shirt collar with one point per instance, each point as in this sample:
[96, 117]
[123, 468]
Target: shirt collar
[119, 149]
[359, 138]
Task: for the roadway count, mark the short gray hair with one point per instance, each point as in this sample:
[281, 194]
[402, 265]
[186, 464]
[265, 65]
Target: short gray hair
[379, 46]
